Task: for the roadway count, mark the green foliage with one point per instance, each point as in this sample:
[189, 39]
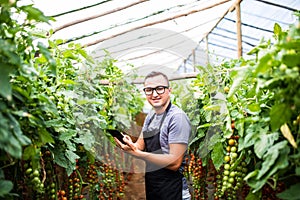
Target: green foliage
[262, 98]
[292, 193]
[54, 97]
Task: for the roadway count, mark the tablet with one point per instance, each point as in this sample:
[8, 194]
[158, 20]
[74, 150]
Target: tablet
[117, 134]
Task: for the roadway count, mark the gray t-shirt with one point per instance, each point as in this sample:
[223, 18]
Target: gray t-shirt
[175, 128]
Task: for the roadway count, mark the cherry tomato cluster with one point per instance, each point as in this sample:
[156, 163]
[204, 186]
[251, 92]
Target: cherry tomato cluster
[75, 185]
[230, 180]
[50, 182]
[98, 180]
[91, 174]
[33, 179]
[61, 194]
[112, 181]
[196, 172]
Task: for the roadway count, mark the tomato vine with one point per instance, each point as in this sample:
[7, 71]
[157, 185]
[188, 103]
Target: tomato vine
[257, 103]
[54, 107]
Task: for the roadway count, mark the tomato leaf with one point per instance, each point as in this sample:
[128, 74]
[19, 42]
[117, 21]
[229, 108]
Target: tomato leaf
[277, 30]
[6, 89]
[200, 134]
[87, 139]
[4, 128]
[59, 156]
[291, 60]
[30, 152]
[263, 65]
[253, 196]
[67, 135]
[71, 156]
[264, 142]
[217, 155]
[45, 136]
[241, 75]
[13, 147]
[292, 193]
[254, 108]
[252, 135]
[5, 187]
[23, 139]
[34, 14]
[270, 157]
[279, 114]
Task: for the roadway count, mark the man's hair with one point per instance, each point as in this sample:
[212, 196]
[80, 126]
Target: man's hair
[155, 73]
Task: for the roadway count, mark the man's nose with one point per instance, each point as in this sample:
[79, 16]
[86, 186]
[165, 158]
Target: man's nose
[154, 93]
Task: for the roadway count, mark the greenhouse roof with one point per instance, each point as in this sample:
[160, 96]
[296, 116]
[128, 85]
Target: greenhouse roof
[172, 36]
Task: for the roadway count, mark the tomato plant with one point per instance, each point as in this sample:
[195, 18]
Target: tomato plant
[249, 111]
[54, 108]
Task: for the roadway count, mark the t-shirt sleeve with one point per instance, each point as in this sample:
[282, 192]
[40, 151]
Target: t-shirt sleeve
[179, 129]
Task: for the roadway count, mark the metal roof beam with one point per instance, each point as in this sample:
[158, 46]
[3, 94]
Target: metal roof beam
[251, 26]
[277, 5]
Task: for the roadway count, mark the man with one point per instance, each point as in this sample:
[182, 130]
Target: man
[163, 142]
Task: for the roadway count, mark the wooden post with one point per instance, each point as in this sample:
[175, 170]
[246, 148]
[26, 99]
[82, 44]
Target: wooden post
[206, 49]
[239, 30]
[194, 59]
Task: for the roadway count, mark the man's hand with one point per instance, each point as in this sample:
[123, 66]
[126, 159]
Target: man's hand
[123, 146]
[131, 147]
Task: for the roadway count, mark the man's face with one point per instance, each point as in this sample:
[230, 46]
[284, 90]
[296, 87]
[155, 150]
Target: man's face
[155, 99]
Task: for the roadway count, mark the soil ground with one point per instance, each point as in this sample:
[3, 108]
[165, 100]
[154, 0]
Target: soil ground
[135, 189]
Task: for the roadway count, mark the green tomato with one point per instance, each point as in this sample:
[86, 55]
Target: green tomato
[52, 98]
[244, 170]
[231, 180]
[229, 185]
[52, 185]
[233, 149]
[226, 172]
[232, 174]
[53, 191]
[234, 155]
[28, 171]
[282, 67]
[225, 178]
[36, 173]
[295, 69]
[227, 166]
[36, 180]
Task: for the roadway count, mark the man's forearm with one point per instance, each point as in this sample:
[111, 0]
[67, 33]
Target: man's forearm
[169, 161]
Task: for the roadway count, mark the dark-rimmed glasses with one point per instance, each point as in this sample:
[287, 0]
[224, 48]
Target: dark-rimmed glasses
[158, 89]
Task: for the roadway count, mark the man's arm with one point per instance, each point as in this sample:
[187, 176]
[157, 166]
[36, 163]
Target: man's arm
[170, 161]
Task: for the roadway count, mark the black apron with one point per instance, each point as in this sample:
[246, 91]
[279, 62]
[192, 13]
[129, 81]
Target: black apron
[161, 183]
